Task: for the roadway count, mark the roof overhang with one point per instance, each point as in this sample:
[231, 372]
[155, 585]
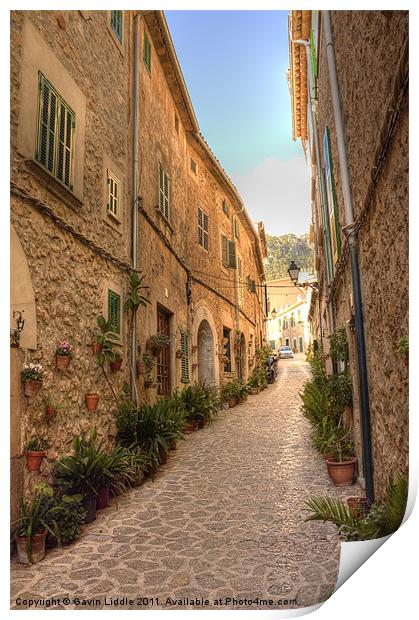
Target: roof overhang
[299, 24]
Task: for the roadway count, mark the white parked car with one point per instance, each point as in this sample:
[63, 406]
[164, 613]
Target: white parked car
[285, 353]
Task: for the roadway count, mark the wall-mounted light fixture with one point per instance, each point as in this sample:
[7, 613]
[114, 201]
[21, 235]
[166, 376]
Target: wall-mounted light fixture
[15, 333]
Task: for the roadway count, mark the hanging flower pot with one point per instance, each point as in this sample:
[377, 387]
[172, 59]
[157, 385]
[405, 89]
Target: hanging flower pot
[34, 459]
[96, 348]
[32, 387]
[37, 550]
[92, 400]
[50, 412]
[179, 354]
[140, 368]
[116, 364]
[62, 361]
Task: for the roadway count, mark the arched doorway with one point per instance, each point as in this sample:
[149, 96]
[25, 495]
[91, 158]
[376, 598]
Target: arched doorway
[242, 359]
[206, 354]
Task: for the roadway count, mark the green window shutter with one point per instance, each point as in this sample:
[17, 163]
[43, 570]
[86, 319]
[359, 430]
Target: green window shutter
[326, 228]
[232, 260]
[116, 23]
[225, 207]
[331, 197]
[114, 311]
[147, 52]
[236, 228]
[164, 192]
[184, 346]
[114, 186]
[224, 250]
[56, 127]
[202, 228]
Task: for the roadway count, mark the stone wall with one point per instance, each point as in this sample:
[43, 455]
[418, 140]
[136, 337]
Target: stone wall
[366, 66]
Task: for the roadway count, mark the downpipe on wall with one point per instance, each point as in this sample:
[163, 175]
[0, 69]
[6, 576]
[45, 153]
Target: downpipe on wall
[352, 242]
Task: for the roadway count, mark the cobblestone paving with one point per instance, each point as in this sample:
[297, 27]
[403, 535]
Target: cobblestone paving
[224, 518]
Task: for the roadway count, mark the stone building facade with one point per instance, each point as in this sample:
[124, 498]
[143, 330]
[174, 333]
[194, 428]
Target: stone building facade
[371, 51]
[72, 128]
[288, 315]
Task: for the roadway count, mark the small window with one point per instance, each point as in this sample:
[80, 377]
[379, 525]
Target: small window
[176, 123]
[114, 196]
[184, 347]
[164, 193]
[226, 349]
[114, 311]
[225, 207]
[116, 24]
[147, 52]
[202, 228]
[56, 127]
[194, 166]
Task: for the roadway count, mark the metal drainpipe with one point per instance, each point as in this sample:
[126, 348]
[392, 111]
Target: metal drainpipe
[356, 284]
[134, 192]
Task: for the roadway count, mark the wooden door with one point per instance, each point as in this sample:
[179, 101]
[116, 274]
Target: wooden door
[163, 359]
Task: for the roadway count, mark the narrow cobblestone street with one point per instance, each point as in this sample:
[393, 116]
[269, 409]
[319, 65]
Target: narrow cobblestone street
[224, 518]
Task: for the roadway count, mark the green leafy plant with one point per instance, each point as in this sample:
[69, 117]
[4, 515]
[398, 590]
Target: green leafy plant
[32, 372]
[107, 338]
[339, 351]
[36, 517]
[122, 467]
[159, 341]
[135, 297]
[36, 444]
[199, 401]
[69, 515]
[383, 518]
[403, 346]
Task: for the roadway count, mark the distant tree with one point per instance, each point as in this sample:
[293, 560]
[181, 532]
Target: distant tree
[285, 248]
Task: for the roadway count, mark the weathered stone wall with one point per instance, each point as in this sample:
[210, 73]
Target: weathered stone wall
[366, 66]
[70, 278]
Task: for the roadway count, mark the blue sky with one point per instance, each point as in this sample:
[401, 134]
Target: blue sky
[235, 63]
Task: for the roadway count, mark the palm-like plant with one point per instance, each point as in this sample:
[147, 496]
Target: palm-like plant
[123, 466]
[383, 519]
[107, 338]
[135, 298]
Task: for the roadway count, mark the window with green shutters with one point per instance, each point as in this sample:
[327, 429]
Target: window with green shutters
[114, 196]
[164, 192]
[225, 207]
[331, 197]
[202, 228]
[184, 347]
[236, 228]
[147, 52]
[56, 127]
[114, 311]
[116, 23]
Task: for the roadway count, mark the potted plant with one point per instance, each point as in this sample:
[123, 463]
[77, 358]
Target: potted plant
[104, 339]
[135, 298]
[82, 472]
[51, 407]
[63, 354]
[32, 377]
[35, 521]
[149, 363]
[341, 464]
[157, 342]
[92, 400]
[36, 451]
[358, 506]
[116, 364]
[179, 354]
[403, 349]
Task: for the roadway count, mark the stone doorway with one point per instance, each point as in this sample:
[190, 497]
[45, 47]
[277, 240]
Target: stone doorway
[206, 354]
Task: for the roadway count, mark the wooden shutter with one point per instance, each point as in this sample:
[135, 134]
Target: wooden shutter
[240, 283]
[47, 124]
[147, 52]
[114, 311]
[116, 23]
[224, 250]
[232, 261]
[184, 346]
[331, 197]
[164, 192]
[114, 195]
[66, 123]
[202, 228]
[225, 207]
[236, 228]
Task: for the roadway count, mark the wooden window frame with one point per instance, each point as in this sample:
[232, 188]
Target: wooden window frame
[112, 295]
[225, 207]
[114, 211]
[227, 367]
[184, 347]
[164, 193]
[114, 26]
[147, 52]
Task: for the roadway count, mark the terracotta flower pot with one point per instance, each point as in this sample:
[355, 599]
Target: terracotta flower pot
[179, 355]
[62, 361]
[92, 401]
[116, 365]
[202, 422]
[189, 428]
[32, 387]
[342, 473]
[37, 551]
[140, 366]
[358, 506]
[50, 412]
[96, 348]
[102, 499]
[173, 444]
[89, 504]
[195, 426]
[34, 459]
[232, 402]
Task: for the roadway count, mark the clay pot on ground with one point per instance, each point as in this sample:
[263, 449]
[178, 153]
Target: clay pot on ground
[202, 422]
[89, 504]
[32, 387]
[189, 428]
[163, 456]
[34, 459]
[116, 365]
[102, 499]
[358, 506]
[37, 552]
[62, 361]
[92, 400]
[341, 473]
[232, 402]
[96, 348]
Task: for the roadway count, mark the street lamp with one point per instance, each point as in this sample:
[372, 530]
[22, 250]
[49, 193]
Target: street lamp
[294, 272]
[274, 313]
